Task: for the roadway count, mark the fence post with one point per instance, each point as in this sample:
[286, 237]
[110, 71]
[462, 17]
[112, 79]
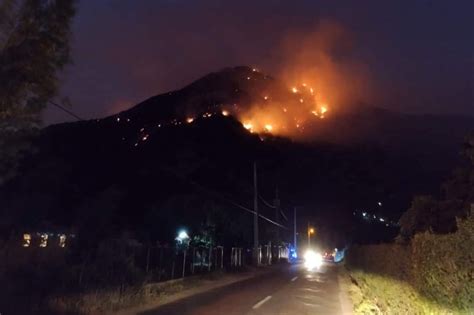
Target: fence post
[184, 262]
[215, 258]
[209, 259]
[147, 259]
[202, 258]
[192, 260]
[160, 263]
[222, 257]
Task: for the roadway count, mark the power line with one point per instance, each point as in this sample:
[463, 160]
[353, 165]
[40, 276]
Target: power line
[266, 202]
[218, 195]
[65, 110]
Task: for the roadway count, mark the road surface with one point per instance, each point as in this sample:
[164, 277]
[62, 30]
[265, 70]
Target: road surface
[289, 289]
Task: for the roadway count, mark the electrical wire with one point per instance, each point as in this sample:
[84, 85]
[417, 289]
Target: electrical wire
[65, 110]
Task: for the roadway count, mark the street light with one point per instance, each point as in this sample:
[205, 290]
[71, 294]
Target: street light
[310, 231]
[183, 239]
[182, 236]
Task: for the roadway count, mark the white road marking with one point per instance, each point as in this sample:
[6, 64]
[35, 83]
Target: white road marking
[294, 278]
[261, 302]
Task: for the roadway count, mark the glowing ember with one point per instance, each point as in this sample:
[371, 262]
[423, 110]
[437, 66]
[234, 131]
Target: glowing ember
[189, 120]
[294, 90]
[248, 126]
[268, 127]
[284, 109]
[301, 100]
[225, 113]
[315, 113]
[265, 98]
[323, 109]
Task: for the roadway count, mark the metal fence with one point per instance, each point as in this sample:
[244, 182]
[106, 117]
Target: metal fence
[117, 262]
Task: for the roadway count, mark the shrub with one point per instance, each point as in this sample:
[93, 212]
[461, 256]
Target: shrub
[440, 267]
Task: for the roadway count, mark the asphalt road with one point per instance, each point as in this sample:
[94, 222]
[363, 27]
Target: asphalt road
[290, 289]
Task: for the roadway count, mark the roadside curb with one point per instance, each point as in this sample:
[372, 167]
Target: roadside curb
[344, 284]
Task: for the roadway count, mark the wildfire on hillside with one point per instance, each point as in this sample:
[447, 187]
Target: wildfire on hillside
[283, 117]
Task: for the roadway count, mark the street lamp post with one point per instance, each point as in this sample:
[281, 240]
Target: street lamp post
[310, 231]
[183, 239]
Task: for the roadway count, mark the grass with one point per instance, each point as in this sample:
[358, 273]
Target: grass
[375, 294]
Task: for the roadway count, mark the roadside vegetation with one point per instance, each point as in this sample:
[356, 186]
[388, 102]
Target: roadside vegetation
[429, 269]
[433, 274]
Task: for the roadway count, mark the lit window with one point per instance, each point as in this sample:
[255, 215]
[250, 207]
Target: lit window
[26, 240]
[62, 240]
[43, 240]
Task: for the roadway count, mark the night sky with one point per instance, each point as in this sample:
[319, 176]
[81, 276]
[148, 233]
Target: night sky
[417, 55]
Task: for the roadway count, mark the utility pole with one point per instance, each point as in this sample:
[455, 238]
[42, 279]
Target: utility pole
[276, 203]
[255, 217]
[294, 229]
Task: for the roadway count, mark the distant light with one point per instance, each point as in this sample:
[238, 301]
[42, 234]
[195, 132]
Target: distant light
[118, 119]
[364, 214]
[248, 78]
[189, 120]
[265, 97]
[323, 109]
[312, 260]
[182, 235]
[26, 240]
[284, 109]
[43, 240]
[268, 127]
[254, 70]
[379, 203]
[294, 90]
[381, 220]
[225, 113]
[315, 113]
[301, 100]
[62, 240]
[304, 84]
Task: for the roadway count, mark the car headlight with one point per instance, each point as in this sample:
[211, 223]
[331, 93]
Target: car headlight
[312, 260]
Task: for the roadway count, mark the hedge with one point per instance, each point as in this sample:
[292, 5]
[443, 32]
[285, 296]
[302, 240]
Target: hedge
[438, 266]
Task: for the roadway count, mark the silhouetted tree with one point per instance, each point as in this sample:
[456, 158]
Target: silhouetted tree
[440, 215]
[34, 48]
